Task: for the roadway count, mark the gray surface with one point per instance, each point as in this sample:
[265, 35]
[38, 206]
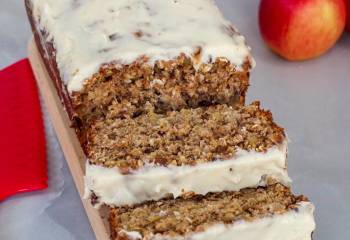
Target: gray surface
[310, 99]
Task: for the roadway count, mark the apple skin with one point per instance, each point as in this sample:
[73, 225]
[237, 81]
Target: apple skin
[301, 29]
[347, 3]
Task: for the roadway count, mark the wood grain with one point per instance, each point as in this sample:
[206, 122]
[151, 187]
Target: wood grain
[66, 135]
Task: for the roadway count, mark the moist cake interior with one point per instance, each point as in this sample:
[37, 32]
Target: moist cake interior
[185, 137]
[168, 85]
[183, 215]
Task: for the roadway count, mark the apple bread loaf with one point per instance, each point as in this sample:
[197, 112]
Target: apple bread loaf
[109, 62]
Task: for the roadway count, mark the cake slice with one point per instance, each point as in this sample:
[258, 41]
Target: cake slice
[270, 213]
[114, 57]
[208, 149]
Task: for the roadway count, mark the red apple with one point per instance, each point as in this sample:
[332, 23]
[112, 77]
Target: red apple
[347, 3]
[301, 29]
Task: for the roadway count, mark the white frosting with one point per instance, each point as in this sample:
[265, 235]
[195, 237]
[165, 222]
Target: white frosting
[89, 33]
[294, 225]
[247, 169]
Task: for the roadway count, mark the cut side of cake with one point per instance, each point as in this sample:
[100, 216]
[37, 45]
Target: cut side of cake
[169, 54]
[201, 150]
[156, 93]
[265, 213]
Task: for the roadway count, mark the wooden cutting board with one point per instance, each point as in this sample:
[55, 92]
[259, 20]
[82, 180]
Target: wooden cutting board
[69, 142]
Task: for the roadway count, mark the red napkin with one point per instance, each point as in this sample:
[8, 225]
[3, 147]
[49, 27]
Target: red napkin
[23, 165]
